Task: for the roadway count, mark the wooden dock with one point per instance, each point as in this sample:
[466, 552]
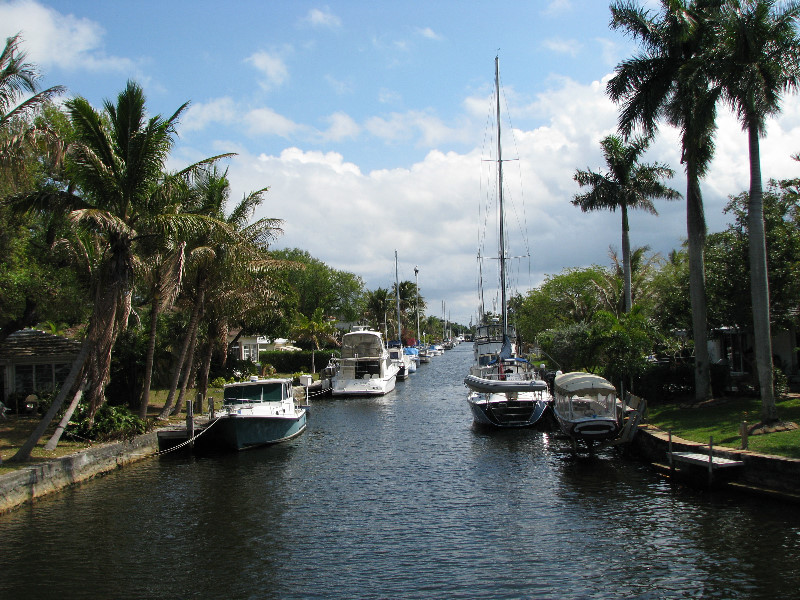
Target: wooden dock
[707, 461]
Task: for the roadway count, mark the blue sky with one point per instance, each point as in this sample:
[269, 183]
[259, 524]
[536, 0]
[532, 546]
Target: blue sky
[367, 120]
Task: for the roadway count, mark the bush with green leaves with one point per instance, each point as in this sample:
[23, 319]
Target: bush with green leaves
[110, 423]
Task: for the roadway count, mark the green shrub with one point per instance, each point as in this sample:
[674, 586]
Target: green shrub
[218, 382]
[110, 423]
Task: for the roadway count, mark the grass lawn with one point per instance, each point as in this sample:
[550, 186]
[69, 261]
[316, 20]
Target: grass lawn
[722, 419]
[16, 429]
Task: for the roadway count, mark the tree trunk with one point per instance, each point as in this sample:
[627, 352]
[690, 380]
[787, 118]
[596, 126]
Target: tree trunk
[187, 373]
[144, 401]
[77, 365]
[696, 229]
[626, 259]
[62, 425]
[176, 372]
[759, 283]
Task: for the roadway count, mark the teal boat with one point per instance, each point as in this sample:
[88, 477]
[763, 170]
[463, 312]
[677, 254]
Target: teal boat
[256, 413]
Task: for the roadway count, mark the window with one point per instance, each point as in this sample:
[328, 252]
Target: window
[23, 379]
[43, 378]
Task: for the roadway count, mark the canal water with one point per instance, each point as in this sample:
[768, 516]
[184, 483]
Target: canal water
[399, 497]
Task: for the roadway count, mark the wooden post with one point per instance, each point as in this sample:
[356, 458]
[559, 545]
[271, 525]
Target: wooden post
[669, 456]
[710, 460]
[190, 422]
[743, 432]
[211, 408]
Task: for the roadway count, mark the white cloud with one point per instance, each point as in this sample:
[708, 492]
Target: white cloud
[52, 39]
[560, 46]
[199, 115]
[317, 17]
[339, 87]
[271, 66]
[341, 126]
[429, 33]
[556, 7]
[265, 121]
[428, 211]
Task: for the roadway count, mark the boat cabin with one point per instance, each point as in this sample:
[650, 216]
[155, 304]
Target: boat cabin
[363, 355]
[259, 390]
[584, 395]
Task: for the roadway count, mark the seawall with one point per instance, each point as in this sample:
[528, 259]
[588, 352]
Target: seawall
[36, 480]
[761, 473]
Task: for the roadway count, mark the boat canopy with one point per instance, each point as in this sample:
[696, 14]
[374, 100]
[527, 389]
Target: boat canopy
[362, 345]
[582, 384]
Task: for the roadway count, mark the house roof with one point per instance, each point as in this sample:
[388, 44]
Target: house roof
[32, 343]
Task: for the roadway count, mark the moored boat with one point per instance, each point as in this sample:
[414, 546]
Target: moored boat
[256, 413]
[505, 390]
[365, 367]
[586, 407]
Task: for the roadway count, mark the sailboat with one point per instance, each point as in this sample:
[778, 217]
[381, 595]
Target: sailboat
[505, 390]
[405, 363]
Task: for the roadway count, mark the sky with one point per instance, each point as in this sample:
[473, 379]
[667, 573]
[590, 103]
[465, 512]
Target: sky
[368, 121]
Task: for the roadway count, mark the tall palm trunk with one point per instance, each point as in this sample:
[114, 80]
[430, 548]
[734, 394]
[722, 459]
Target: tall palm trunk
[759, 284]
[62, 424]
[626, 259]
[77, 366]
[144, 401]
[176, 372]
[696, 229]
[187, 372]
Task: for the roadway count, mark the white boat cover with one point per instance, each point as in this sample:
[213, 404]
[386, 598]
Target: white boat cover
[480, 384]
[362, 344]
[579, 383]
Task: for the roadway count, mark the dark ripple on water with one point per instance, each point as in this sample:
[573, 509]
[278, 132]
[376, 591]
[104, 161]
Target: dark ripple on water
[398, 497]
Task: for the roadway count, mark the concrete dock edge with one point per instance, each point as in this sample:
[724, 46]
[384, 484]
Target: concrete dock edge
[31, 482]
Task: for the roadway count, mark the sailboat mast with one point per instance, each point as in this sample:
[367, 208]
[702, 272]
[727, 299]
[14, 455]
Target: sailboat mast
[500, 201]
[397, 297]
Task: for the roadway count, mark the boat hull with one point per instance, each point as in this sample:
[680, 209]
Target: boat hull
[506, 411]
[241, 432]
[363, 387]
[588, 429]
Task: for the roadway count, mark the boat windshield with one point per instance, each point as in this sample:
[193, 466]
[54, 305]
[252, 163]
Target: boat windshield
[262, 392]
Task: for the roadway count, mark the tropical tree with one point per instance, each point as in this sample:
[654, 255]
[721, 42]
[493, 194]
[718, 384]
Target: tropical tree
[316, 329]
[18, 79]
[628, 184]
[758, 58]
[378, 303]
[671, 80]
[226, 265]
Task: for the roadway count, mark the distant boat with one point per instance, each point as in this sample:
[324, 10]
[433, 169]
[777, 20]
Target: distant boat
[505, 390]
[586, 407]
[365, 368]
[256, 413]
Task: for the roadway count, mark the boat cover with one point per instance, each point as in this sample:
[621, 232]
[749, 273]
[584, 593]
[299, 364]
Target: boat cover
[362, 344]
[579, 383]
[480, 384]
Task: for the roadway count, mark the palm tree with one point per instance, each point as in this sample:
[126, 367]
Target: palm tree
[378, 305]
[628, 184]
[18, 78]
[670, 80]
[223, 264]
[315, 329]
[758, 58]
